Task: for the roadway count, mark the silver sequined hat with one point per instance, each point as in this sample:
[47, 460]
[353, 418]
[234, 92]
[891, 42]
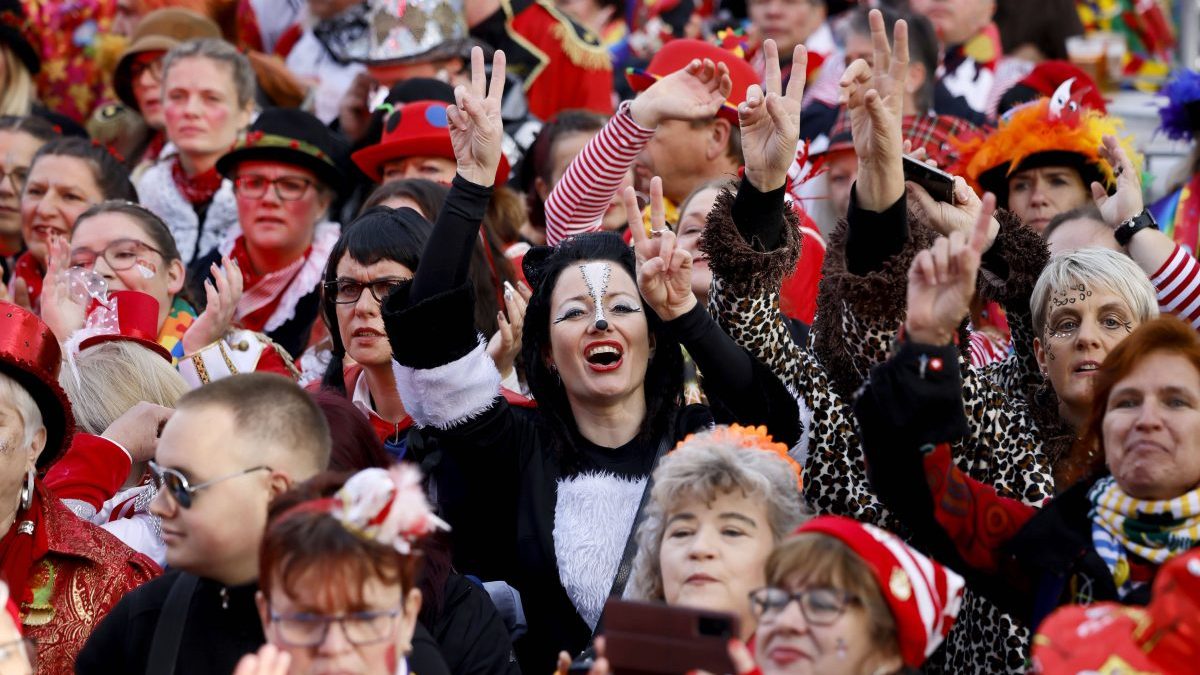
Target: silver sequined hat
[417, 30]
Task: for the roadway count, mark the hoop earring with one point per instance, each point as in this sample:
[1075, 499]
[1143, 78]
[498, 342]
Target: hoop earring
[27, 491]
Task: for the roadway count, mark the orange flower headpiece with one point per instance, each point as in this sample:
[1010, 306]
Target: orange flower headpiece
[1055, 131]
[749, 438]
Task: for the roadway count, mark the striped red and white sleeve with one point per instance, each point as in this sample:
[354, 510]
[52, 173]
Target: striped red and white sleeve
[985, 350]
[1178, 285]
[578, 202]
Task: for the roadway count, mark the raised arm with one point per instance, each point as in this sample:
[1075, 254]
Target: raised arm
[738, 386]
[579, 199]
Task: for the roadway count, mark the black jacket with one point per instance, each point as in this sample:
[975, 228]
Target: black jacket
[1050, 561]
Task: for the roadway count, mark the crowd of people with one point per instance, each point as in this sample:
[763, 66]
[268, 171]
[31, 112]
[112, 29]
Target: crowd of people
[365, 336]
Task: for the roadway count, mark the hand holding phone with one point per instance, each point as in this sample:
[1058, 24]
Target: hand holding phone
[938, 183]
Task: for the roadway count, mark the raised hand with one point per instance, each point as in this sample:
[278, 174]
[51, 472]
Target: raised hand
[476, 129]
[1127, 201]
[137, 429]
[505, 344]
[957, 217]
[60, 311]
[770, 120]
[941, 281]
[269, 660]
[664, 272]
[599, 663]
[874, 95]
[696, 92]
[222, 298]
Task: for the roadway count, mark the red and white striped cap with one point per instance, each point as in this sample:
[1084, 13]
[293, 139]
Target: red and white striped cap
[923, 595]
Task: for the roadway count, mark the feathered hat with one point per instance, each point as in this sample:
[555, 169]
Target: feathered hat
[1055, 131]
[1181, 116]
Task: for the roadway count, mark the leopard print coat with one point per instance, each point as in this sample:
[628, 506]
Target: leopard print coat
[857, 318]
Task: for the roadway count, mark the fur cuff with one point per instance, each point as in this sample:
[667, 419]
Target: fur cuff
[1023, 252]
[444, 396]
[736, 261]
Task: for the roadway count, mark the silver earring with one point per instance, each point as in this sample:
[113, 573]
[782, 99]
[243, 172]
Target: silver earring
[27, 491]
[841, 648]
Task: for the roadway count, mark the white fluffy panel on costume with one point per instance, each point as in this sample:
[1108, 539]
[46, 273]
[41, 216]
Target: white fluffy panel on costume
[592, 518]
[448, 394]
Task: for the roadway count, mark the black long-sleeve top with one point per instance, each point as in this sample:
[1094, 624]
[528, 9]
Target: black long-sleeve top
[499, 482]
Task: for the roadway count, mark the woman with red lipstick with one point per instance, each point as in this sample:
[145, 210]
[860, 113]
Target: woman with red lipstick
[286, 172]
[563, 482]
[67, 176]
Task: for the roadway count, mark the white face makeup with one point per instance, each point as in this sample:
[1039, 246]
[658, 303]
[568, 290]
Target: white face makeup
[596, 276]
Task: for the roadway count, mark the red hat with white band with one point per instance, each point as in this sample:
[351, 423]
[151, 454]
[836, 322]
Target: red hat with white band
[924, 596]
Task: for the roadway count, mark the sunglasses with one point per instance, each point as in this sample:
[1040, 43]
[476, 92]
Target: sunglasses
[179, 487]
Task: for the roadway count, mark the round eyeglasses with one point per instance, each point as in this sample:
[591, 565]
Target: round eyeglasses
[304, 629]
[119, 255]
[820, 606]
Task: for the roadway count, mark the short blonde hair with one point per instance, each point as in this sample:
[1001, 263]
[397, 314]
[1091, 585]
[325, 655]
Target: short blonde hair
[1093, 267]
[115, 376]
[14, 394]
[704, 468]
[16, 86]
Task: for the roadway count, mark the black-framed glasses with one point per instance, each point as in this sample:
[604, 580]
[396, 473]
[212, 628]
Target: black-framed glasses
[120, 254]
[181, 490]
[16, 178]
[287, 188]
[348, 291]
[305, 629]
[820, 606]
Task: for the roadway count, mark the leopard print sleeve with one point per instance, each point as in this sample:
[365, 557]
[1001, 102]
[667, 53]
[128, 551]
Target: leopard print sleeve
[1008, 278]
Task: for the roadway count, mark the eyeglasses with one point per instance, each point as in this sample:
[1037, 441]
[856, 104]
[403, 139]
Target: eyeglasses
[152, 66]
[177, 484]
[360, 628]
[820, 606]
[119, 255]
[16, 177]
[288, 188]
[348, 291]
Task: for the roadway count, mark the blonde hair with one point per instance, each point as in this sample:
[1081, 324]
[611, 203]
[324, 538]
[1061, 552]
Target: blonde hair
[16, 86]
[1093, 267]
[114, 377]
[703, 469]
[18, 397]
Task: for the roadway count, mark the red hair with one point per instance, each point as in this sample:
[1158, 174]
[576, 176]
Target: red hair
[1166, 334]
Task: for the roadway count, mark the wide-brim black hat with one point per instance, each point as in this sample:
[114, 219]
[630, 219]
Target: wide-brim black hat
[292, 137]
[13, 24]
[995, 179]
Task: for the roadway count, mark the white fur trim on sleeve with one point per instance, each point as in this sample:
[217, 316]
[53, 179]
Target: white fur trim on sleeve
[450, 393]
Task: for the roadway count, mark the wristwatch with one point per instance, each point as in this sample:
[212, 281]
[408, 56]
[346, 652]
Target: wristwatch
[1125, 231]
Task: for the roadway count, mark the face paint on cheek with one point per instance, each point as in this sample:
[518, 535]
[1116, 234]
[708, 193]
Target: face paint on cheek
[596, 276]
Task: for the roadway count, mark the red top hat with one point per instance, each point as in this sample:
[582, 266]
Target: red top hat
[417, 129]
[1106, 637]
[924, 596]
[133, 317]
[29, 354]
[677, 54]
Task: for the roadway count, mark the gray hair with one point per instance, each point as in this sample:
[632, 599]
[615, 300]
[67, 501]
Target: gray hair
[16, 395]
[1094, 267]
[115, 376]
[703, 468]
[220, 51]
